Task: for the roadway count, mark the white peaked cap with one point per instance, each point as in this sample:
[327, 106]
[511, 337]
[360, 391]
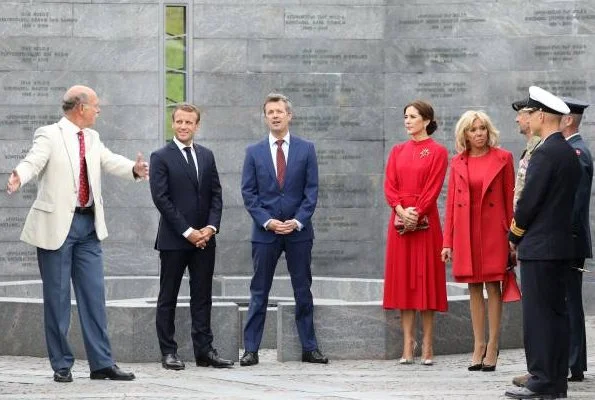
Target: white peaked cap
[546, 102]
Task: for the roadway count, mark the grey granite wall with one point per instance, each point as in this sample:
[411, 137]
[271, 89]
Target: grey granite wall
[348, 65]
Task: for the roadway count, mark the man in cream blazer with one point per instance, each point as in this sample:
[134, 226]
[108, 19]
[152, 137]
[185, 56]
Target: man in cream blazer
[66, 224]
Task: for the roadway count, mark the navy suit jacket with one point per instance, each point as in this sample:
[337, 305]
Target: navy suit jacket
[542, 226]
[183, 199]
[265, 199]
[581, 229]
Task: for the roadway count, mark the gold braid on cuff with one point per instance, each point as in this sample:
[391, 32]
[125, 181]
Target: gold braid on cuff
[516, 230]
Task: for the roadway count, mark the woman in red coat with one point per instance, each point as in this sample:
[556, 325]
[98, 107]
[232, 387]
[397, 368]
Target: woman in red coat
[478, 214]
[415, 277]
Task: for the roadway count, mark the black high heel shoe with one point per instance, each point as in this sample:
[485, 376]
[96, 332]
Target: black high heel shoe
[490, 368]
[478, 367]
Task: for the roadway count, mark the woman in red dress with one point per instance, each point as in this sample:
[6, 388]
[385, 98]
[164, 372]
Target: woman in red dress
[478, 214]
[415, 277]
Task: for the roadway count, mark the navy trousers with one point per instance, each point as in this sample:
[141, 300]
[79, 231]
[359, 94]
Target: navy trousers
[79, 259]
[201, 264]
[577, 361]
[265, 257]
[545, 324]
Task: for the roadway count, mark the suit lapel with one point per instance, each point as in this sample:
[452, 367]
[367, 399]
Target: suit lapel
[268, 157]
[496, 163]
[71, 150]
[200, 163]
[292, 155]
[459, 165]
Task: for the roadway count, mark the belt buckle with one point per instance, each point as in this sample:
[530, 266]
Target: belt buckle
[84, 210]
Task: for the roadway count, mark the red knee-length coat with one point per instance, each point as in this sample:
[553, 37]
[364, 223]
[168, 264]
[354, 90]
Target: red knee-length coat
[496, 215]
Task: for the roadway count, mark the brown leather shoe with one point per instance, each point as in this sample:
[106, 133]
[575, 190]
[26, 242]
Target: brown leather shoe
[521, 380]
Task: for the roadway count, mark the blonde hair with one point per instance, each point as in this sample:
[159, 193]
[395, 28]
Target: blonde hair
[466, 122]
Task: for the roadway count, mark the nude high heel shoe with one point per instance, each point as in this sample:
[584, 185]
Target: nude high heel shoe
[427, 361]
[408, 361]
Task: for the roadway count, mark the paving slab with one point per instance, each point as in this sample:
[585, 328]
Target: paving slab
[26, 378]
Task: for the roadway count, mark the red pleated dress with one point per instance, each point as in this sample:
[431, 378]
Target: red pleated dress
[415, 276]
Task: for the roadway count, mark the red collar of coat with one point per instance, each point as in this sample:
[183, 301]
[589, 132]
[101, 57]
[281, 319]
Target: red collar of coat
[497, 159]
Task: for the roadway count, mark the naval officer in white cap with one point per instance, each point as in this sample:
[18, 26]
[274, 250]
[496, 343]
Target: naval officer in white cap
[541, 236]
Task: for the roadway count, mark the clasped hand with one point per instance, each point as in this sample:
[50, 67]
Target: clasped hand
[282, 228]
[200, 237]
[409, 217]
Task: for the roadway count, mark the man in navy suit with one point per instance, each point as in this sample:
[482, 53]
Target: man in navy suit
[581, 233]
[280, 191]
[186, 190]
[542, 231]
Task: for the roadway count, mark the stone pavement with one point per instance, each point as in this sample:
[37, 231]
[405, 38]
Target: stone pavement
[31, 378]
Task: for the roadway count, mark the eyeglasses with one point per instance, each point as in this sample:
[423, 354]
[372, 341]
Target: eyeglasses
[95, 106]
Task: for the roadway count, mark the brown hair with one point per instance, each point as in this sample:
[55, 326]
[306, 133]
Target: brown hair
[426, 112]
[188, 108]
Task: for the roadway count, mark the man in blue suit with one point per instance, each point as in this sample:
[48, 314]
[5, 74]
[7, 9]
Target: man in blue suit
[581, 233]
[186, 190]
[280, 191]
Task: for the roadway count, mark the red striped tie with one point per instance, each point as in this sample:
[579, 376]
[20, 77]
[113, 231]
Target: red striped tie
[280, 163]
[83, 179]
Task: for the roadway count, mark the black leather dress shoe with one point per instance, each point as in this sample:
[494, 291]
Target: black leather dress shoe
[63, 375]
[576, 378]
[211, 358]
[249, 358]
[114, 373]
[314, 356]
[172, 361]
[524, 393]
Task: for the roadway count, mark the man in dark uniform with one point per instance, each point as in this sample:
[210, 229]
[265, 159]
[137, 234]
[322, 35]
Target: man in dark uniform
[543, 233]
[581, 232]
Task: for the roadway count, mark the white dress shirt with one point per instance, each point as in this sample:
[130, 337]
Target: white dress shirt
[71, 134]
[181, 146]
[285, 147]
